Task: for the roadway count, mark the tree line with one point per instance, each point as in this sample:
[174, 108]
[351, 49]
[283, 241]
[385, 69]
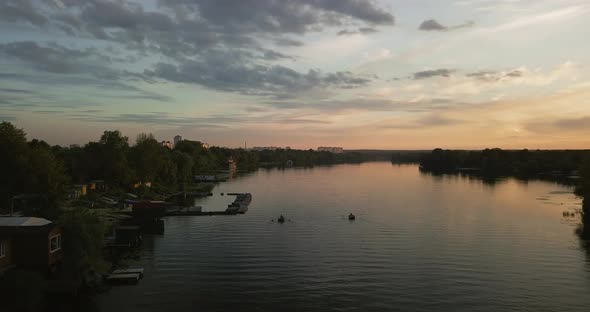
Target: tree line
[35, 167]
[497, 162]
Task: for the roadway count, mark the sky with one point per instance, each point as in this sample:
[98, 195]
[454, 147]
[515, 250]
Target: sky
[463, 74]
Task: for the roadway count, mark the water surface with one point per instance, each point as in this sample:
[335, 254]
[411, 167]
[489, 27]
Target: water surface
[419, 243]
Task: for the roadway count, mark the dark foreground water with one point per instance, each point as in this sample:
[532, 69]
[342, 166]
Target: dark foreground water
[419, 243]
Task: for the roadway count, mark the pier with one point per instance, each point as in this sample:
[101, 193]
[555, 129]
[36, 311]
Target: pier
[238, 206]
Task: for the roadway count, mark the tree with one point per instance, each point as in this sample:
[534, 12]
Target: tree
[47, 178]
[152, 162]
[184, 168]
[146, 157]
[83, 240]
[30, 169]
[13, 163]
[109, 158]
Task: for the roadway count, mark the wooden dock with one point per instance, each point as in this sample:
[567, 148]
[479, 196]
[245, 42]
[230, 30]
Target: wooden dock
[129, 278]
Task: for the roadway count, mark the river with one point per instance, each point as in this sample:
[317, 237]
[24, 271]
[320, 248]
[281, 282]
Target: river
[419, 243]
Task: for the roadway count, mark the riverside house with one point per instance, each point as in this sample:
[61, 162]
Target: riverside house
[30, 243]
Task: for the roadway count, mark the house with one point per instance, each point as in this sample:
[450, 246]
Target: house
[140, 184]
[30, 243]
[99, 185]
[74, 193]
[150, 209]
[82, 189]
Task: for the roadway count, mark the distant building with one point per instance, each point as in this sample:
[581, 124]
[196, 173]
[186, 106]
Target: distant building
[177, 139]
[30, 243]
[266, 148]
[80, 190]
[167, 144]
[331, 149]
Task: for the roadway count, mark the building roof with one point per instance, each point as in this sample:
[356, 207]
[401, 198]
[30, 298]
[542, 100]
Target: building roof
[23, 221]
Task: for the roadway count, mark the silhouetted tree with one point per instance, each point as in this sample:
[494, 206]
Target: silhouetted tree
[30, 169]
[83, 241]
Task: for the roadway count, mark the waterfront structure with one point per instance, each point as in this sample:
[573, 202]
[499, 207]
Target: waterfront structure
[82, 189]
[30, 243]
[331, 149]
[177, 139]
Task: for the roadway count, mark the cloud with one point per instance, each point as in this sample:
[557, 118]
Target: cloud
[288, 42]
[552, 16]
[433, 25]
[206, 121]
[21, 10]
[7, 118]
[54, 58]
[271, 55]
[383, 104]
[219, 38]
[443, 72]
[360, 31]
[281, 16]
[430, 121]
[19, 91]
[566, 71]
[575, 124]
[233, 72]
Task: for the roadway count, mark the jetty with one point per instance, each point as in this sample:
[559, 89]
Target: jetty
[238, 206]
[129, 278]
[125, 276]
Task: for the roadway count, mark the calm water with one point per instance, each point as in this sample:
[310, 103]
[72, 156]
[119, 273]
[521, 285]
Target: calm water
[420, 243]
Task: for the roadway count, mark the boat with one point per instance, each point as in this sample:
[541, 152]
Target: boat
[351, 216]
[281, 219]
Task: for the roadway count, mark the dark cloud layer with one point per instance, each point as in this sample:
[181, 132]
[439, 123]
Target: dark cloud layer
[443, 72]
[54, 58]
[434, 25]
[21, 10]
[213, 43]
[229, 74]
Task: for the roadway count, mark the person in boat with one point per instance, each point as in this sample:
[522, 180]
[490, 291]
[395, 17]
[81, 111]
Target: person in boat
[351, 216]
